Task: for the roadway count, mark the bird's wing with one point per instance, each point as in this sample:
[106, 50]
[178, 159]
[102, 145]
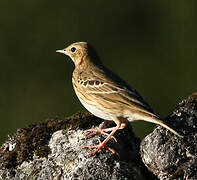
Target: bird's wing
[119, 91]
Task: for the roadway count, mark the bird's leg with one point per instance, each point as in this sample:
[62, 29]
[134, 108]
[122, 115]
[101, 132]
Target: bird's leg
[119, 125]
[100, 131]
[103, 131]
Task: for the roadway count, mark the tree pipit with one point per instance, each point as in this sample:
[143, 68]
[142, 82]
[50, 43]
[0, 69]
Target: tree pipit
[105, 94]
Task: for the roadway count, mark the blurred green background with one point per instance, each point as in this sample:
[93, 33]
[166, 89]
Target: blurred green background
[151, 44]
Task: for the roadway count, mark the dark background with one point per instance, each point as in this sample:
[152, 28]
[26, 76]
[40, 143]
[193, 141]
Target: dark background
[151, 44]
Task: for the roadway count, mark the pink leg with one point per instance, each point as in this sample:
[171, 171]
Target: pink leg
[96, 146]
[103, 131]
[119, 125]
[99, 131]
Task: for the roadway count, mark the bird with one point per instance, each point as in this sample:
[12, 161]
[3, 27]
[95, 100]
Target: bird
[105, 94]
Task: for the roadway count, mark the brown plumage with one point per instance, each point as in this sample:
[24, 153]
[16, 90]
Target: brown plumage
[105, 94]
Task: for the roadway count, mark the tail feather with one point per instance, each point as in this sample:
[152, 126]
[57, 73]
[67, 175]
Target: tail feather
[163, 124]
[151, 118]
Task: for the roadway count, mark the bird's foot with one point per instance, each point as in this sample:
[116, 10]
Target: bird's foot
[119, 125]
[99, 147]
[99, 131]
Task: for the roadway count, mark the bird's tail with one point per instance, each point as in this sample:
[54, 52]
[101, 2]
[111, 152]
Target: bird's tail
[162, 123]
[150, 117]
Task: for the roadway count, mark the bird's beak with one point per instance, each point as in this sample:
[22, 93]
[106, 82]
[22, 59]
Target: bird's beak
[63, 51]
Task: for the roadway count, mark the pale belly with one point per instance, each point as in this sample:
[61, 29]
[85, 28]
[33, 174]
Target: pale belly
[97, 111]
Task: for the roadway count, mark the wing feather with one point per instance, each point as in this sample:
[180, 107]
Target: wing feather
[109, 85]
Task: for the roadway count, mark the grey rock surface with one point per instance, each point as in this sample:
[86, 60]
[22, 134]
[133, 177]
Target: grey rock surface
[169, 156]
[62, 156]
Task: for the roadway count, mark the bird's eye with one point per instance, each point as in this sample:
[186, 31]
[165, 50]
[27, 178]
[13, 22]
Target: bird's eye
[73, 49]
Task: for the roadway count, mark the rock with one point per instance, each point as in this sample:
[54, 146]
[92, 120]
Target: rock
[168, 156]
[54, 150]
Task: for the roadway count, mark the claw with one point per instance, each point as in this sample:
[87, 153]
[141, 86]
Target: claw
[99, 131]
[99, 147]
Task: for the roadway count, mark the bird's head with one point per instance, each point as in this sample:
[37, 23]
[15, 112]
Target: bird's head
[80, 51]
